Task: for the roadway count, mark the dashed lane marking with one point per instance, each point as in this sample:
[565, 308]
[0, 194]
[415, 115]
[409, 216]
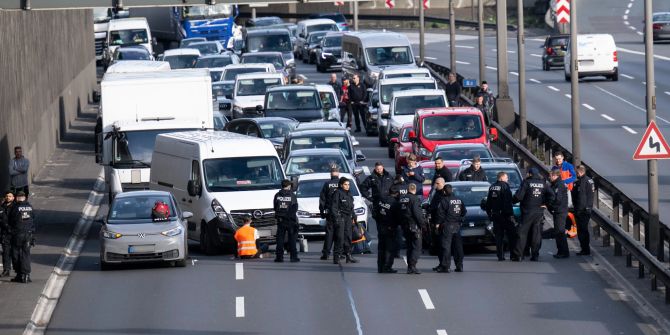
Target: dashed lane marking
[462, 62]
[535, 81]
[465, 46]
[239, 271]
[629, 103]
[642, 53]
[442, 332]
[239, 307]
[627, 11]
[536, 55]
[492, 68]
[430, 58]
[568, 96]
[426, 299]
[607, 117]
[626, 128]
[667, 93]
[514, 73]
[627, 76]
[589, 107]
[553, 88]
[630, 5]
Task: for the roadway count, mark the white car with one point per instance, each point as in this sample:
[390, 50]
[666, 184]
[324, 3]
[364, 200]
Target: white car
[231, 71]
[309, 217]
[184, 58]
[329, 99]
[421, 72]
[249, 93]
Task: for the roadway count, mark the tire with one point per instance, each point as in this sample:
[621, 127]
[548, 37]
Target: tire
[567, 77]
[104, 266]
[545, 66]
[615, 75]
[206, 246]
[180, 263]
[391, 151]
[382, 138]
[369, 132]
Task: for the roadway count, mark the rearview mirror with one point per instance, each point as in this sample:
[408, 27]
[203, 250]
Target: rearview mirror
[358, 171]
[359, 156]
[192, 188]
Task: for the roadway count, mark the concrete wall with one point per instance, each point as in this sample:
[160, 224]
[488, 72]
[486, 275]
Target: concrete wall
[47, 76]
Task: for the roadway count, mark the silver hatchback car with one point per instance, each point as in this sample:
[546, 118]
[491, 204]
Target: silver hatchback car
[130, 233]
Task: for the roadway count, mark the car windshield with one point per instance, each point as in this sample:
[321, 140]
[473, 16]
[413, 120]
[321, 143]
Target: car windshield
[135, 148]
[246, 87]
[219, 61]
[558, 41]
[222, 90]
[388, 89]
[407, 75]
[219, 122]
[298, 165]
[404, 134]
[275, 60]
[327, 97]
[206, 48]
[316, 37]
[661, 17]
[332, 41]
[136, 209]
[322, 142]
[133, 55]
[408, 105]
[230, 74]
[275, 42]
[181, 61]
[458, 154]
[128, 36]
[312, 188]
[186, 42]
[276, 129]
[292, 100]
[471, 195]
[389, 56]
[452, 127]
[322, 27]
[220, 10]
[215, 75]
[513, 174]
[242, 174]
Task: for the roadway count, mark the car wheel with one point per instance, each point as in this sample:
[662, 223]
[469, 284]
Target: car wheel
[382, 138]
[180, 263]
[567, 77]
[545, 66]
[206, 246]
[104, 266]
[615, 75]
[369, 131]
[391, 151]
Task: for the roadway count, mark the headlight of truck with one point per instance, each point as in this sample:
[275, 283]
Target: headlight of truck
[110, 235]
[359, 211]
[303, 214]
[219, 211]
[172, 232]
[424, 152]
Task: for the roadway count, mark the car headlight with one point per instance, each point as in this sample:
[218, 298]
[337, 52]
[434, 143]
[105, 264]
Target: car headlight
[325, 55]
[219, 211]
[374, 75]
[424, 152]
[303, 214]
[172, 232]
[110, 235]
[359, 211]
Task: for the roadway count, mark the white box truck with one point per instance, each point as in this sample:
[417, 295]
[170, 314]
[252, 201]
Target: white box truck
[135, 108]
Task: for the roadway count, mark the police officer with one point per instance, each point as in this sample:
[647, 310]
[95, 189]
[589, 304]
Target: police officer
[398, 189]
[435, 241]
[22, 226]
[324, 200]
[535, 195]
[582, 198]
[559, 212]
[475, 172]
[450, 213]
[342, 211]
[376, 185]
[386, 230]
[410, 205]
[5, 233]
[500, 209]
[286, 210]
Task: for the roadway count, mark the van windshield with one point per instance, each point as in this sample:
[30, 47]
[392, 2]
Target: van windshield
[135, 148]
[387, 90]
[128, 36]
[230, 74]
[452, 127]
[276, 42]
[242, 174]
[389, 56]
[408, 105]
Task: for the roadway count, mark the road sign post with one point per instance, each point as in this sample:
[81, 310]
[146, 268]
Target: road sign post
[521, 53]
[452, 37]
[574, 88]
[422, 34]
[469, 83]
[562, 15]
[482, 63]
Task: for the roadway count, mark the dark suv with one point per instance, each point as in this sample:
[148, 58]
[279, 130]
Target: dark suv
[554, 49]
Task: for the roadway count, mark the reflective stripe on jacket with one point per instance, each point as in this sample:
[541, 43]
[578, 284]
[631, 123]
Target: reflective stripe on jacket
[246, 241]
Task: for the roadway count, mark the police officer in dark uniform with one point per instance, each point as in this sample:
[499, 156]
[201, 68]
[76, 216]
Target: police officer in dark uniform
[376, 185]
[436, 241]
[386, 230]
[342, 211]
[559, 212]
[22, 226]
[410, 205]
[450, 213]
[582, 198]
[534, 195]
[5, 233]
[286, 210]
[324, 200]
[500, 208]
[399, 189]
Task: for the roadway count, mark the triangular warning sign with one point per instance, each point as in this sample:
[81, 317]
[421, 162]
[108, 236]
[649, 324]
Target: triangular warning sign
[653, 145]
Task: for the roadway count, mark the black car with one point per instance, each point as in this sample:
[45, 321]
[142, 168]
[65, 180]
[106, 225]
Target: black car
[263, 21]
[313, 40]
[273, 129]
[299, 102]
[272, 40]
[554, 49]
[329, 52]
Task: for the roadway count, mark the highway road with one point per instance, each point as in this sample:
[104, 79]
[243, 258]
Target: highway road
[217, 295]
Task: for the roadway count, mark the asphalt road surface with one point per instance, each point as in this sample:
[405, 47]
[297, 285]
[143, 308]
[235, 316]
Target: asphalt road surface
[215, 295]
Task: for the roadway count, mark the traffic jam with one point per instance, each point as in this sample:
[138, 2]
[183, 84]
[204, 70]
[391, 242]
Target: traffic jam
[199, 137]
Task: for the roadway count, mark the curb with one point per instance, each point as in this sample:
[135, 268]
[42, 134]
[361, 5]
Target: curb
[46, 304]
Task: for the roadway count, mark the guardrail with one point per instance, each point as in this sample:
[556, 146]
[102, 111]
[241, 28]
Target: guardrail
[629, 239]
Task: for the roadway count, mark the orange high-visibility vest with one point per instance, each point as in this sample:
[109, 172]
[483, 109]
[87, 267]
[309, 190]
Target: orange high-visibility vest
[572, 232]
[246, 241]
[565, 174]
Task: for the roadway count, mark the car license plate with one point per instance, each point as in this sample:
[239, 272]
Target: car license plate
[585, 63]
[264, 233]
[339, 61]
[133, 249]
[473, 232]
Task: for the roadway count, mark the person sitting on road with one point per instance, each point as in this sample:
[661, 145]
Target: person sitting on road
[246, 238]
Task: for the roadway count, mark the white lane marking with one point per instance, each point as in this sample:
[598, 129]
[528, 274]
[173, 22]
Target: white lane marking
[426, 299]
[626, 128]
[465, 47]
[626, 22]
[667, 93]
[568, 96]
[632, 28]
[642, 53]
[536, 55]
[193, 260]
[511, 51]
[607, 117]
[535, 81]
[629, 103]
[553, 88]
[630, 5]
[627, 11]
[492, 68]
[494, 50]
[430, 58]
[627, 76]
[404, 258]
[625, 17]
[461, 62]
[640, 33]
[352, 303]
[442, 332]
[589, 107]
[239, 271]
[239, 307]
[514, 73]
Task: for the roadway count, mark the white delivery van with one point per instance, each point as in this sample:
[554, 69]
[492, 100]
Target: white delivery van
[135, 107]
[220, 177]
[596, 56]
[132, 31]
[249, 92]
[128, 66]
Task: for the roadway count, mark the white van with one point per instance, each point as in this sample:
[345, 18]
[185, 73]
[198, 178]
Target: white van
[220, 177]
[596, 56]
[404, 105]
[133, 31]
[128, 66]
[249, 92]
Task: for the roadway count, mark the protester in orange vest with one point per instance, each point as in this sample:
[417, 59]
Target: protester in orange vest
[246, 238]
[568, 174]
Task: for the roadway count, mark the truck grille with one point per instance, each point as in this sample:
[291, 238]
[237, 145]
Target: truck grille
[98, 46]
[260, 217]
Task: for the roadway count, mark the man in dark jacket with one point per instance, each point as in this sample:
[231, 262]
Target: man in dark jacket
[453, 90]
[337, 87]
[582, 197]
[387, 226]
[22, 226]
[5, 232]
[559, 212]
[535, 195]
[286, 211]
[413, 225]
[376, 185]
[450, 213]
[342, 211]
[324, 200]
[441, 171]
[475, 172]
[413, 173]
[500, 209]
[358, 94]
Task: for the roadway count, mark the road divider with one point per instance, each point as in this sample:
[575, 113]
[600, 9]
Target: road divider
[426, 299]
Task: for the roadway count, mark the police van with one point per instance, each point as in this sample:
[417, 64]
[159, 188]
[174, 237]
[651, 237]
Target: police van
[220, 177]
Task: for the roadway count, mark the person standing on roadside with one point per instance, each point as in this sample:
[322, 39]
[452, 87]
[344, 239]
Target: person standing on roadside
[583, 196]
[344, 219]
[489, 98]
[500, 209]
[453, 89]
[450, 213]
[534, 196]
[286, 212]
[6, 208]
[335, 85]
[325, 198]
[413, 173]
[568, 174]
[22, 225]
[413, 226]
[18, 172]
[559, 211]
[376, 185]
[475, 172]
[441, 171]
[358, 93]
[345, 103]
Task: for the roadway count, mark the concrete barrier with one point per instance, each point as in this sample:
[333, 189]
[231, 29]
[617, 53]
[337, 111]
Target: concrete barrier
[47, 76]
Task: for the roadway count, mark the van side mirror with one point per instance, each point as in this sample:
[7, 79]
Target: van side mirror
[412, 135]
[193, 189]
[375, 103]
[187, 215]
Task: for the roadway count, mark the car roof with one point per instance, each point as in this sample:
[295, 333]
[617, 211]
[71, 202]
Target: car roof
[241, 66]
[400, 71]
[312, 132]
[322, 176]
[461, 145]
[406, 80]
[143, 193]
[223, 55]
[316, 21]
[263, 53]
[205, 42]
[267, 119]
[260, 75]
[319, 125]
[411, 93]
[380, 38]
[447, 111]
[182, 51]
[493, 163]
[292, 88]
[316, 152]
[138, 66]
[324, 88]
[267, 31]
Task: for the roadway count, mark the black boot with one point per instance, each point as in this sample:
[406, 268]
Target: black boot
[351, 259]
[18, 278]
[5, 273]
[336, 259]
[27, 278]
